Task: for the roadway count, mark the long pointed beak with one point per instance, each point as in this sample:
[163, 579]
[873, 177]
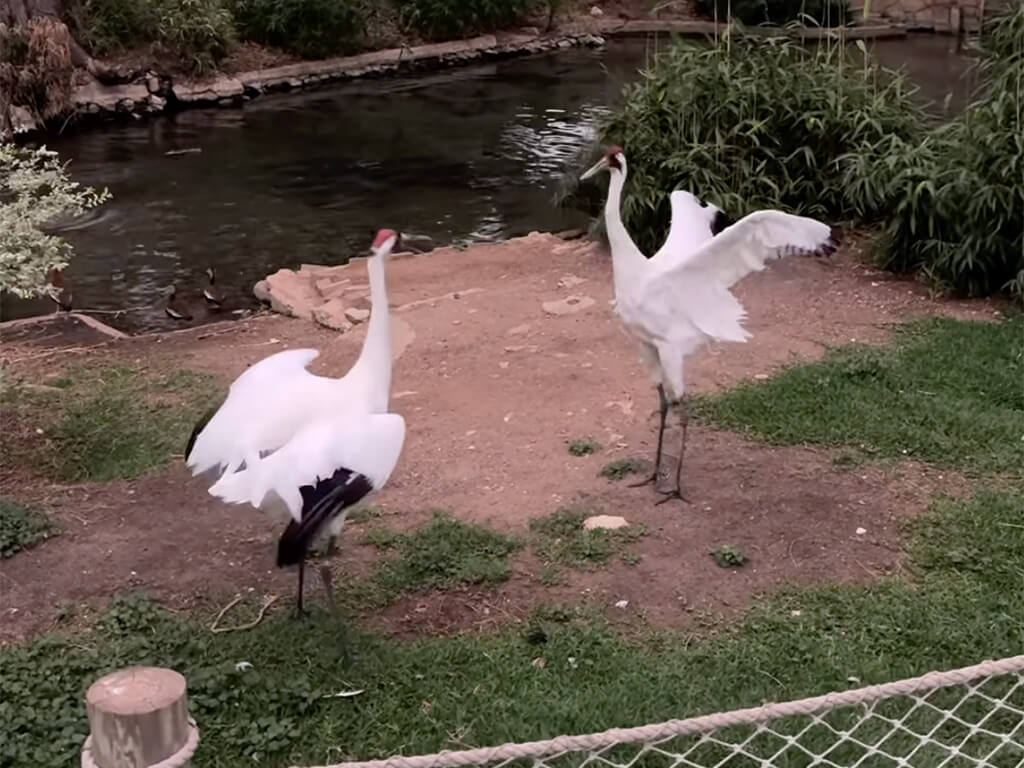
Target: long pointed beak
[597, 167]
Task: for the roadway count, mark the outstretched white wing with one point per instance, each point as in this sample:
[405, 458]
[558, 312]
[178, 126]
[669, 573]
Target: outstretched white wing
[361, 443]
[685, 300]
[265, 406]
[748, 245]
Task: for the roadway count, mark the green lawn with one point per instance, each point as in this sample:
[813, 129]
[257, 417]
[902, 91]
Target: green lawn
[947, 392]
[105, 423]
[960, 600]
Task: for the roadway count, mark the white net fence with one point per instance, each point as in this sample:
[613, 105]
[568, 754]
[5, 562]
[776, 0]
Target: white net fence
[957, 719]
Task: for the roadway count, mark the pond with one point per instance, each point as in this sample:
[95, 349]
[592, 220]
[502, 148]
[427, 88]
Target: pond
[472, 154]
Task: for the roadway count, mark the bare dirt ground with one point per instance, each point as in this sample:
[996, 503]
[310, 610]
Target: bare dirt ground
[493, 387]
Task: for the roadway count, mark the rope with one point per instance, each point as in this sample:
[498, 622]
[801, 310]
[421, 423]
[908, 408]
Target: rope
[696, 725]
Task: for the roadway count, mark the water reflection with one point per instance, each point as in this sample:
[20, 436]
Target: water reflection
[471, 154]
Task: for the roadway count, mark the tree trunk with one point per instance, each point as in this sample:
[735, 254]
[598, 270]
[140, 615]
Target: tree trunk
[17, 12]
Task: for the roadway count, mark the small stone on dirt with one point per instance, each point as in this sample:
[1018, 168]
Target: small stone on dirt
[622, 603]
[609, 522]
[519, 330]
[568, 281]
[568, 305]
[357, 314]
[861, 531]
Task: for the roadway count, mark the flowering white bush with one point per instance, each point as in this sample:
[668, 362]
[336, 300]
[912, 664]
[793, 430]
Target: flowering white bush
[34, 190]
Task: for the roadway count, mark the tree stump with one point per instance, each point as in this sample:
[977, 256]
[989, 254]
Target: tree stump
[138, 718]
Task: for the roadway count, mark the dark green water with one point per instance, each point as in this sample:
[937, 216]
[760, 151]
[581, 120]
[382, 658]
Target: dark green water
[468, 155]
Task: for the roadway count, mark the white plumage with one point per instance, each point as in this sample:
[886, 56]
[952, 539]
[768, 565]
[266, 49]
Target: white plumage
[679, 299]
[367, 444]
[310, 448]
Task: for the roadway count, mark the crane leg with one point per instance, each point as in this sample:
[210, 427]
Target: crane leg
[300, 612]
[677, 492]
[663, 409]
[327, 578]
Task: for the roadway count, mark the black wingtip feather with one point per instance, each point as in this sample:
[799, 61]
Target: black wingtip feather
[320, 504]
[832, 244]
[203, 421]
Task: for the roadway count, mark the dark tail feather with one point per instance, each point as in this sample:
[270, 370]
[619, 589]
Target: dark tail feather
[321, 503]
[294, 543]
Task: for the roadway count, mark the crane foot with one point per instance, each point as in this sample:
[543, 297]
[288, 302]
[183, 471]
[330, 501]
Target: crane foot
[653, 479]
[675, 493]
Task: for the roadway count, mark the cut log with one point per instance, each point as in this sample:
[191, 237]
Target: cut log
[138, 717]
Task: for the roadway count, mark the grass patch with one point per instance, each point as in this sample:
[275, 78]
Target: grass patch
[443, 554]
[963, 607]
[583, 447]
[728, 556]
[109, 423]
[20, 528]
[947, 392]
[561, 540]
[620, 468]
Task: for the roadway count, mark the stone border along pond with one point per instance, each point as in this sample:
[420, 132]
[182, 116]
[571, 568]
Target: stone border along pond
[159, 93]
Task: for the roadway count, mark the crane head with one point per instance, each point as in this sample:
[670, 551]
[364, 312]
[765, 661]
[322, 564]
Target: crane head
[614, 159]
[384, 242]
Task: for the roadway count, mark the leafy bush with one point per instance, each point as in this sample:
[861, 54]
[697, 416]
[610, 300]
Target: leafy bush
[199, 33]
[762, 122]
[34, 190]
[308, 28]
[955, 201]
[112, 26]
[828, 13]
[450, 19]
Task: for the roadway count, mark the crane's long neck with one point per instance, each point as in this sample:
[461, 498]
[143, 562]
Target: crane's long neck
[627, 260]
[373, 367]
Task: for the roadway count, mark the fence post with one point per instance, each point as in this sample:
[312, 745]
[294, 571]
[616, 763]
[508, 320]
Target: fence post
[138, 718]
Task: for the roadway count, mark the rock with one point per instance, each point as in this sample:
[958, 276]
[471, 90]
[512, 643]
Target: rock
[292, 295]
[357, 314]
[568, 281]
[608, 522]
[519, 330]
[222, 88]
[331, 289]
[595, 11]
[153, 84]
[262, 291]
[568, 306]
[157, 104]
[331, 315]
[109, 98]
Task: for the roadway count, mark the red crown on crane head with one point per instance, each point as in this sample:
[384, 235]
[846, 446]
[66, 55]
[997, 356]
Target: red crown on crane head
[383, 235]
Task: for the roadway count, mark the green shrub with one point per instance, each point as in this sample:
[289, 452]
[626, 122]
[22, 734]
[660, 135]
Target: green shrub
[307, 28]
[113, 26]
[451, 19]
[828, 13]
[199, 33]
[955, 202]
[761, 122]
